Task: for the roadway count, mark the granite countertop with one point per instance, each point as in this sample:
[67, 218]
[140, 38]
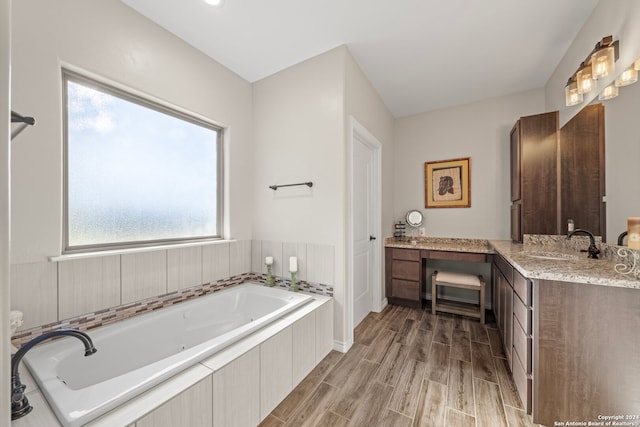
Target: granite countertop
[537, 257]
[441, 244]
[532, 261]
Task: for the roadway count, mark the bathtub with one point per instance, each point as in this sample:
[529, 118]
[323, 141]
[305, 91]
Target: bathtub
[138, 353]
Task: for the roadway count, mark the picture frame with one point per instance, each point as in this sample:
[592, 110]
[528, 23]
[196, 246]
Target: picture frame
[448, 183]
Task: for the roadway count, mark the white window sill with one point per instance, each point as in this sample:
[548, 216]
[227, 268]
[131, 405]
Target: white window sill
[125, 251]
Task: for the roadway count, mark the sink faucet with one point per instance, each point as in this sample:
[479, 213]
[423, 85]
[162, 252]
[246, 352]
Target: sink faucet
[621, 237]
[593, 249]
[19, 403]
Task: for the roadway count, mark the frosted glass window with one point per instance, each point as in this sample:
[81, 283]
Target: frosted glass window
[136, 172]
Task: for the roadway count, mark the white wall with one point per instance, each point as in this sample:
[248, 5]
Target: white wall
[479, 130]
[299, 137]
[300, 131]
[5, 100]
[112, 41]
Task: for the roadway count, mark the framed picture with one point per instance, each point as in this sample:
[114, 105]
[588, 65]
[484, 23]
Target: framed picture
[447, 183]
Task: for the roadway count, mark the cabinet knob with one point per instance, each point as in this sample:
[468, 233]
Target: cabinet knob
[372, 238]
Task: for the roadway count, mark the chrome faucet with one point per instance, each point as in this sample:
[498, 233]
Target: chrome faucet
[593, 249]
[19, 404]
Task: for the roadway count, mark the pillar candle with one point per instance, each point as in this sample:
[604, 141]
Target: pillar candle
[293, 264]
[268, 260]
[633, 233]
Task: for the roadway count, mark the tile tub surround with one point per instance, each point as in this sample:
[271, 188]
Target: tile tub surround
[138, 408]
[107, 316]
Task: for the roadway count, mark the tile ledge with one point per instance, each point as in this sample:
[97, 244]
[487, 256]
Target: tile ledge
[141, 249]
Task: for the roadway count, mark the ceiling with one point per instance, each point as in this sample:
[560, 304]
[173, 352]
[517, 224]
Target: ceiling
[420, 55]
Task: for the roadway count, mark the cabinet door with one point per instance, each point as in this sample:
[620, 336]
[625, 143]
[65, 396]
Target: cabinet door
[515, 163]
[516, 221]
[507, 337]
[236, 392]
[496, 293]
[191, 408]
[539, 173]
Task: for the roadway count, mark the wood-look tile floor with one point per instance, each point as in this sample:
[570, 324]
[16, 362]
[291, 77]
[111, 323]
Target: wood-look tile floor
[408, 367]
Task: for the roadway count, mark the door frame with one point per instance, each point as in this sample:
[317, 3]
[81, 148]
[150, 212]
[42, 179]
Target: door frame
[356, 130]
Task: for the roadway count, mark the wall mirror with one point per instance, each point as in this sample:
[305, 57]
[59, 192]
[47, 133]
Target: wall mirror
[414, 218]
[622, 158]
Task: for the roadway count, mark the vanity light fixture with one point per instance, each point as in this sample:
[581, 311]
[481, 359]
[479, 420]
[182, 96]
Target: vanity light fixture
[584, 77]
[629, 76]
[214, 2]
[572, 94]
[608, 92]
[599, 63]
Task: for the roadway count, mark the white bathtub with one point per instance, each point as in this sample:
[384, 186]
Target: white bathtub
[138, 353]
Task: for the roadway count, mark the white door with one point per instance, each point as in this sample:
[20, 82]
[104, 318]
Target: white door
[362, 229]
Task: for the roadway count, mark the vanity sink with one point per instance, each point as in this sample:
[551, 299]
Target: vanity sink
[554, 256]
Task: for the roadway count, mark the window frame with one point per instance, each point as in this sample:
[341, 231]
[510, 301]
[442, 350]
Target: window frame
[133, 96]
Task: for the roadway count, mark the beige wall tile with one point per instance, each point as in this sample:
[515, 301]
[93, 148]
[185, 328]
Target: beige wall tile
[215, 262]
[298, 250]
[144, 275]
[34, 291]
[240, 257]
[320, 264]
[184, 268]
[87, 285]
[192, 407]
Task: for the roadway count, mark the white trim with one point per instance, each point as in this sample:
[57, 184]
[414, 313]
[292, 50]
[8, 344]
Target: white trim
[355, 128]
[342, 346]
[124, 251]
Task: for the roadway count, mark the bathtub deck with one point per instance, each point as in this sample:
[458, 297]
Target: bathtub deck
[409, 368]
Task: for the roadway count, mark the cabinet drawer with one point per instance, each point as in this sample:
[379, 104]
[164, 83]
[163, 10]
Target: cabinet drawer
[523, 314]
[407, 270]
[458, 256]
[522, 287]
[406, 254]
[405, 289]
[505, 267]
[522, 345]
[523, 383]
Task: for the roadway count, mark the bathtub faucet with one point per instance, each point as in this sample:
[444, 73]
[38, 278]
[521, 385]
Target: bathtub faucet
[19, 403]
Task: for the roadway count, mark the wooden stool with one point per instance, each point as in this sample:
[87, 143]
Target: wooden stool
[457, 280]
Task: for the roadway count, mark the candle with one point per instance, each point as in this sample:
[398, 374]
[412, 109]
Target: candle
[268, 260]
[633, 233]
[293, 264]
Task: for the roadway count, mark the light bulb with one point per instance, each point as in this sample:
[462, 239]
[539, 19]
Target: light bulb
[630, 75]
[608, 92]
[572, 96]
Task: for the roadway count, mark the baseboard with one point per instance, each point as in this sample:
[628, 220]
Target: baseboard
[342, 346]
[385, 302]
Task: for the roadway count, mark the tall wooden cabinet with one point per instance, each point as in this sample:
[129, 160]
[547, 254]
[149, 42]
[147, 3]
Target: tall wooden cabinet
[558, 174]
[534, 168]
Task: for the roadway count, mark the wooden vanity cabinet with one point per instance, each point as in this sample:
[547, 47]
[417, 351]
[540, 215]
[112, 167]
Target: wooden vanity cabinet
[403, 281]
[558, 174]
[512, 305]
[534, 166]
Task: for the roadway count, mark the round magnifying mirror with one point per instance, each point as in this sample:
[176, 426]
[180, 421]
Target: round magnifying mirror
[414, 218]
